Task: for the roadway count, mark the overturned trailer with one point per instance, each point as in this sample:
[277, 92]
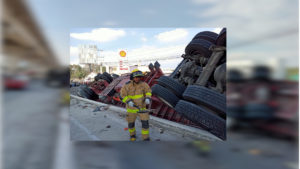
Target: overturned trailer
[263, 103]
[194, 94]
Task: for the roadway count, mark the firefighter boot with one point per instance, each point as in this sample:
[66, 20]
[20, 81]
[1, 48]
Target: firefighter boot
[131, 117]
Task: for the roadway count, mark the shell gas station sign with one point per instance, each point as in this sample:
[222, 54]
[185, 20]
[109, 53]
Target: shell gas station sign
[122, 53]
[123, 63]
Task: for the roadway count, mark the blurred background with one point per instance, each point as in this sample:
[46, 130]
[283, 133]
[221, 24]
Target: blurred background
[262, 92]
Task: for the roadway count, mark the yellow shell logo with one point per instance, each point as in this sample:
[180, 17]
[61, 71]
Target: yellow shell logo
[122, 53]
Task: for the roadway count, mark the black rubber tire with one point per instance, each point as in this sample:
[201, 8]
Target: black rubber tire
[90, 92]
[221, 39]
[198, 46]
[103, 77]
[108, 76]
[165, 95]
[209, 121]
[97, 77]
[207, 97]
[171, 84]
[83, 94]
[207, 35]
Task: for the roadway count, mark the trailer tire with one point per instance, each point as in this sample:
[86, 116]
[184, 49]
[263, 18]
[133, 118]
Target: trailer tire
[103, 77]
[171, 84]
[198, 46]
[91, 94]
[221, 39]
[108, 76]
[97, 77]
[165, 95]
[83, 94]
[207, 97]
[207, 35]
[209, 121]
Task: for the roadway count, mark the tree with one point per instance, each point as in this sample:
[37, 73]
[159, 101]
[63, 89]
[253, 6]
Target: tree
[77, 72]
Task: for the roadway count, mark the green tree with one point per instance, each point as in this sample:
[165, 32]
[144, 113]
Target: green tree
[77, 72]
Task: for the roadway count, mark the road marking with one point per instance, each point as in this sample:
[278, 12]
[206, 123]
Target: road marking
[63, 157]
[82, 127]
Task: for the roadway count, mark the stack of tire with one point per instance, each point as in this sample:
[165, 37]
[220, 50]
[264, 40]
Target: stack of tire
[105, 76]
[199, 104]
[86, 92]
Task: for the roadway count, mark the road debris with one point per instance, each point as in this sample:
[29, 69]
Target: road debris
[100, 108]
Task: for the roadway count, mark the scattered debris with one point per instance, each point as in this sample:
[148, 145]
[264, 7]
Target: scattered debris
[108, 126]
[96, 109]
[102, 130]
[100, 108]
[161, 130]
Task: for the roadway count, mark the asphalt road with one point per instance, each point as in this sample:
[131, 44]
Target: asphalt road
[30, 124]
[87, 124]
[36, 135]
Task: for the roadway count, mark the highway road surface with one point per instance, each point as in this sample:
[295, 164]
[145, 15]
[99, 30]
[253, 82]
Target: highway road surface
[36, 135]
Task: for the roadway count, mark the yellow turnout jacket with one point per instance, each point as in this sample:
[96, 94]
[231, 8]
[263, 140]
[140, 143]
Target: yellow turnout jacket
[137, 93]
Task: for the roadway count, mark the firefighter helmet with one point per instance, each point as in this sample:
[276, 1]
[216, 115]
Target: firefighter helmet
[137, 73]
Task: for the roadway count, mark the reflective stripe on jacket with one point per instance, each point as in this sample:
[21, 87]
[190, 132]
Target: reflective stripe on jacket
[137, 93]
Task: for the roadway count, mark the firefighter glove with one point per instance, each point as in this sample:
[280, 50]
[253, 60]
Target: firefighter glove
[147, 101]
[130, 103]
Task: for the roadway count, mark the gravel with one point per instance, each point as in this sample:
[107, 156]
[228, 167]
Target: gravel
[74, 90]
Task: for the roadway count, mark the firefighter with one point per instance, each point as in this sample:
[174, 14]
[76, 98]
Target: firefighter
[137, 94]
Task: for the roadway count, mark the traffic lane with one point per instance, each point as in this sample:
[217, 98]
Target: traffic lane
[106, 125]
[229, 155]
[95, 154]
[242, 150]
[248, 149]
[30, 123]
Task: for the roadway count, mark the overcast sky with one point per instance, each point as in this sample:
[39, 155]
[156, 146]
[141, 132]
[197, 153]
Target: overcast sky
[257, 29]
